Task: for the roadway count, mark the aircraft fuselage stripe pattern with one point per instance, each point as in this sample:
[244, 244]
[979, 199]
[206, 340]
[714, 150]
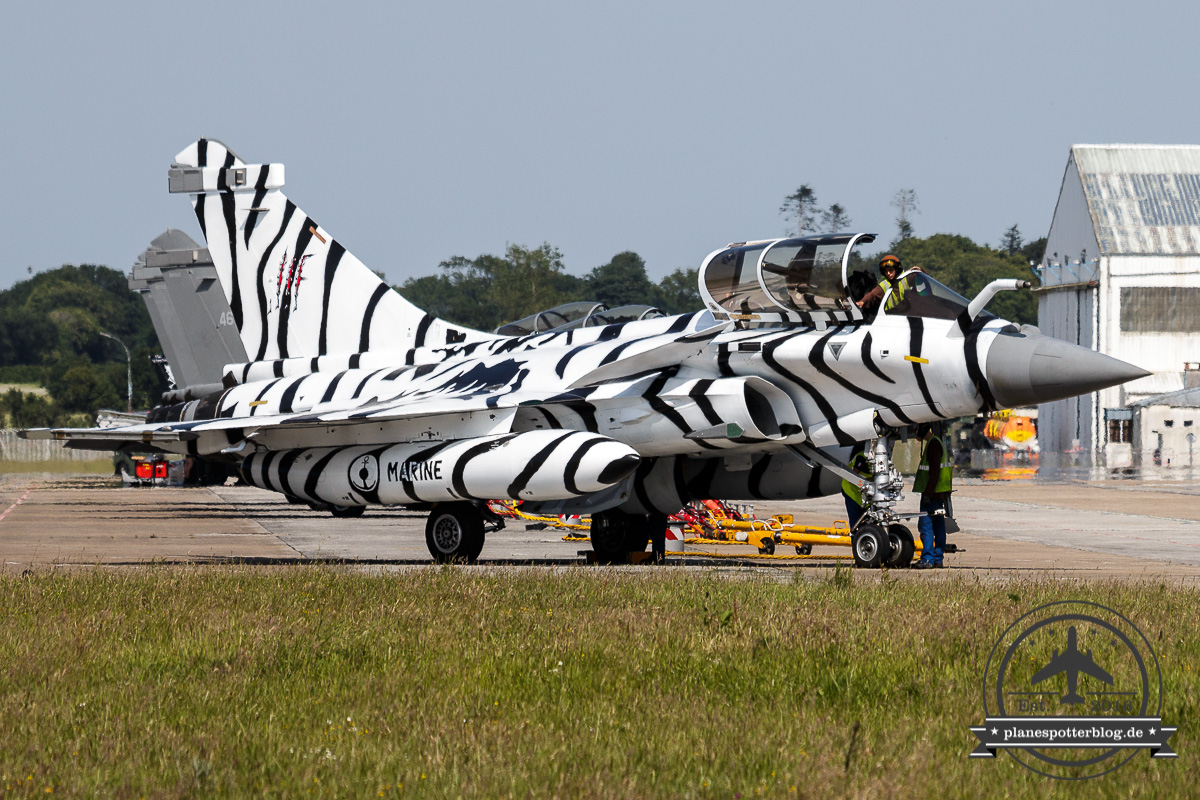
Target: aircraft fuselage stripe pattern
[971, 331]
[869, 363]
[354, 395]
[332, 395]
[539, 458]
[769, 357]
[916, 328]
[521, 466]
[817, 359]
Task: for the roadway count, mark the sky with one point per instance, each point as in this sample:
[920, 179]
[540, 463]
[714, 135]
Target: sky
[415, 132]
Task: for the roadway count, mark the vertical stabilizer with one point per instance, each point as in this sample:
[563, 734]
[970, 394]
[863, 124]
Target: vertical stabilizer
[177, 280]
[293, 290]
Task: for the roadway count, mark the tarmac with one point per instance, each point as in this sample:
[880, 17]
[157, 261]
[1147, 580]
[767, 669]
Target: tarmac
[1143, 530]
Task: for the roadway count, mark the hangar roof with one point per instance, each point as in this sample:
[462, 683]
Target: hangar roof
[1184, 398]
[1143, 199]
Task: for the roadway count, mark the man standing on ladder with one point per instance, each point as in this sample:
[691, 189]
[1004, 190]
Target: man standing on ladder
[935, 478]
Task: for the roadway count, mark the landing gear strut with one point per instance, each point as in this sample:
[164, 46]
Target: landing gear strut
[878, 540]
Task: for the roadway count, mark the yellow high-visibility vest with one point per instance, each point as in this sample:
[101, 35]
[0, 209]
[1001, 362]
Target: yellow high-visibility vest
[860, 464]
[897, 293]
[945, 476]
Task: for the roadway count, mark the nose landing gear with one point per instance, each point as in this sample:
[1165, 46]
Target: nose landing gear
[879, 539]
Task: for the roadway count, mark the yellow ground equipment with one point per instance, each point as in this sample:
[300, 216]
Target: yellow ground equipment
[709, 525]
[783, 530]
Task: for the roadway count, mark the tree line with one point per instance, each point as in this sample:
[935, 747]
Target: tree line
[956, 261]
[50, 335]
[486, 292]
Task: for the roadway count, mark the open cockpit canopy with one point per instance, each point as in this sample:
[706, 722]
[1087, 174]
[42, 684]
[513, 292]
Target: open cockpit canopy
[801, 280]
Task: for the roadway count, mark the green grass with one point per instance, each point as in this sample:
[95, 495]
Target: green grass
[588, 683]
[24, 388]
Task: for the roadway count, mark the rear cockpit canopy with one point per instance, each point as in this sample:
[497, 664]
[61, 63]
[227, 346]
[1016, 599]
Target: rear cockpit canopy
[582, 314]
[552, 318]
[801, 280]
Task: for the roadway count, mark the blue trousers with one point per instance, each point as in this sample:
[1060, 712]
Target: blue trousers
[932, 530]
[853, 511]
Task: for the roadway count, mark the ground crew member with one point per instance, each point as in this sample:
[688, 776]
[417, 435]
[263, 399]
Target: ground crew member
[890, 269]
[935, 477]
[860, 465]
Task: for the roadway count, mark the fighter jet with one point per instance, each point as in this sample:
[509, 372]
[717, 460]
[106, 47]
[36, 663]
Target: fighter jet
[351, 396]
[1071, 662]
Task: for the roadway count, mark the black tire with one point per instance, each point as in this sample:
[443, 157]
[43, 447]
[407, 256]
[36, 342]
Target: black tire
[768, 547]
[870, 547]
[477, 545]
[903, 546]
[454, 533]
[347, 512]
[804, 549]
[616, 534]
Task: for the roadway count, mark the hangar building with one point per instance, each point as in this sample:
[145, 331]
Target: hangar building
[1121, 275]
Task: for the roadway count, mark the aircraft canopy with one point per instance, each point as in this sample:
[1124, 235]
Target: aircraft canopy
[794, 280]
[922, 296]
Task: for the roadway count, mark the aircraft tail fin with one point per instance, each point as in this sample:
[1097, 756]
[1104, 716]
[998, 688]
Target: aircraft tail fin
[293, 289]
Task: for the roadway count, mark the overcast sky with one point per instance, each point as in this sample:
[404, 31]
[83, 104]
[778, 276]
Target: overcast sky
[416, 132]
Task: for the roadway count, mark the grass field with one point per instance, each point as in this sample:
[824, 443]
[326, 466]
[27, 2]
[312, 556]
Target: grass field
[585, 683]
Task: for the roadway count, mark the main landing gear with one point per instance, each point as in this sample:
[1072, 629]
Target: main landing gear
[341, 512]
[454, 532]
[617, 535]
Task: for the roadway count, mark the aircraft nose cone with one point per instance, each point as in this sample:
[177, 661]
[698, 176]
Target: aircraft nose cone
[1031, 368]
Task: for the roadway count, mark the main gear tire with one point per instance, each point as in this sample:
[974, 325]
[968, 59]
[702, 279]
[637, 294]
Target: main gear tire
[454, 533]
[615, 534]
[347, 512]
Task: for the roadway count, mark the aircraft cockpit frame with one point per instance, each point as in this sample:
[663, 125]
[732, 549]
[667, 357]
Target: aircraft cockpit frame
[799, 280]
[918, 295]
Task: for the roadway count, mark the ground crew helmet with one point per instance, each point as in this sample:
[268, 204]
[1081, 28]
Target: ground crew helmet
[889, 262]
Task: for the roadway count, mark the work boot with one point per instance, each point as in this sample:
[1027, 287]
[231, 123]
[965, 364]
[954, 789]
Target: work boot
[924, 565]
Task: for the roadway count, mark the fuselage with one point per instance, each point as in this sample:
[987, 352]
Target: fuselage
[822, 386]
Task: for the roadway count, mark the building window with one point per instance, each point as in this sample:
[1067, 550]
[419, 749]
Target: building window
[1187, 423]
[1119, 430]
[1170, 423]
[1160, 309]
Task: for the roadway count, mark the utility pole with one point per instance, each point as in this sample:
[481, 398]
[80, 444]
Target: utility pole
[128, 371]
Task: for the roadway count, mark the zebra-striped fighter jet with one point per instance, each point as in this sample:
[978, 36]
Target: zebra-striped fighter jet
[353, 396]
